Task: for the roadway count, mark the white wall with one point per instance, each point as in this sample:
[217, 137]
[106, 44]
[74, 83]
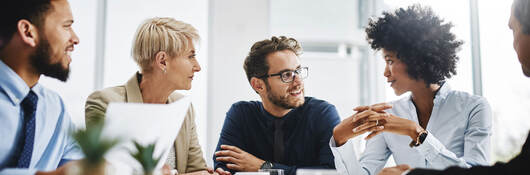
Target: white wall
[80, 83]
[234, 26]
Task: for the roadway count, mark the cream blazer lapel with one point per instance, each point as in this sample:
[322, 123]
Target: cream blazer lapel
[132, 90]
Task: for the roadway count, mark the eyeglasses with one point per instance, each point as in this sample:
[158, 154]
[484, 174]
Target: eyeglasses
[288, 75]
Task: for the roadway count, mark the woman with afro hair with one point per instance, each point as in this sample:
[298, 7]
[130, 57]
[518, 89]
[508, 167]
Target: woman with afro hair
[433, 127]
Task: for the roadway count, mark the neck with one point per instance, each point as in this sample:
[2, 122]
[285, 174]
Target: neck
[154, 88]
[273, 109]
[423, 97]
[19, 61]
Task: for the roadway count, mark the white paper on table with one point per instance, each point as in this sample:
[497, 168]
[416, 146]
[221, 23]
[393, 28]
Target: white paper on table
[316, 172]
[146, 124]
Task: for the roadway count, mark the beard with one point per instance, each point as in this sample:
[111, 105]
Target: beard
[41, 61]
[282, 101]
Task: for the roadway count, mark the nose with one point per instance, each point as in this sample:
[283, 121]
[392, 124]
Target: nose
[386, 73]
[196, 67]
[74, 38]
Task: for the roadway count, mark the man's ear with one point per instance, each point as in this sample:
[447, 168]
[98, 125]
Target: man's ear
[161, 59]
[27, 32]
[258, 85]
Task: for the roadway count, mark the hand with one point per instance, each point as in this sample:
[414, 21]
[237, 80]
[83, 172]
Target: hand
[220, 171]
[397, 125]
[67, 168]
[359, 123]
[238, 159]
[166, 170]
[208, 171]
[397, 170]
[379, 107]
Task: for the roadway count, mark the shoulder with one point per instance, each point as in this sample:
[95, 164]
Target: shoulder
[466, 99]
[313, 103]
[321, 110]
[55, 108]
[248, 108]
[246, 105]
[51, 99]
[107, 95]
[48, 94]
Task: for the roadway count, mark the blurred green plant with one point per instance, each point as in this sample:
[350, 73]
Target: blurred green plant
[92, 145]
[144, 155]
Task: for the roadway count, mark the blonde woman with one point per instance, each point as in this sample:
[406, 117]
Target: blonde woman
[164, 50]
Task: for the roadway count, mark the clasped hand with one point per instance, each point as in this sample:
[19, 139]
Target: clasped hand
[375, 120]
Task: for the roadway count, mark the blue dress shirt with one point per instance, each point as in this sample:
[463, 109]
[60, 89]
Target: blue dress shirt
[459, 135]
[53, 142]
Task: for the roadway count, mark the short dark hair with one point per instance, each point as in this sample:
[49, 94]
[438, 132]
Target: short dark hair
[421, 40]
[256, 63]
[12, 11]
[522, 14]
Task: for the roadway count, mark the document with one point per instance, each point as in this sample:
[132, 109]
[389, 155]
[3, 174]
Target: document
[145, 124]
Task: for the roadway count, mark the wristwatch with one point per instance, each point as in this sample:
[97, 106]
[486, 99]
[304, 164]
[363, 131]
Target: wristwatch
[419, 140]
[266, 165]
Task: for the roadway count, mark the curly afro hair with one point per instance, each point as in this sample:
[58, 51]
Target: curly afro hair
[421, 40]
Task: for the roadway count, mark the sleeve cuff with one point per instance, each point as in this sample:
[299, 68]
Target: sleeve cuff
[406, 172]
[430, 147]
[16, 171]
[345, 149]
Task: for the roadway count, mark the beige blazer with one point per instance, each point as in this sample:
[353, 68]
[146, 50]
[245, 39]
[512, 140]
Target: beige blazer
[187, 149]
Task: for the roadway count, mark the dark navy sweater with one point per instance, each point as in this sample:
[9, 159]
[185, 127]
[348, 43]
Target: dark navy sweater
[307, 131]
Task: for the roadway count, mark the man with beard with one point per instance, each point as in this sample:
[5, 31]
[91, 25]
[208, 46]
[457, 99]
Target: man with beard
[36, 38]
[520, 26]
[286, 130]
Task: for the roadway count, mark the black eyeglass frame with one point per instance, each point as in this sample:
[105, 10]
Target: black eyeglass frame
[296, 72]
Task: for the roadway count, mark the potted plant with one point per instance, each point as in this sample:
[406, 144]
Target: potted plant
[94, 148]
[144, 155]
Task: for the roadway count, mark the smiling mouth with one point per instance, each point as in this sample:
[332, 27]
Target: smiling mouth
[68, 52]
[69, 55]
[391, 82]
[296, 92]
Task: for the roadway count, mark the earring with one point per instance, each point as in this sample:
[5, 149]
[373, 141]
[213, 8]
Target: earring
[164, 70]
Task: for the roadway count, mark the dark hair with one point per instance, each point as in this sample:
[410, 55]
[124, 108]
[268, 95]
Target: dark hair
[522, 14]
[256, 63]
[12, 11]
[421, 40]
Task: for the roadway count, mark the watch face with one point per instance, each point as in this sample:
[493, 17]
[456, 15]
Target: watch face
[266, 165]
[423, 136]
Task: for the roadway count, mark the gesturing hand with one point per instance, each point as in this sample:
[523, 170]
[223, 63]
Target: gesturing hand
[397, 170]
[220, 171]
[359, 123]
[238, 159]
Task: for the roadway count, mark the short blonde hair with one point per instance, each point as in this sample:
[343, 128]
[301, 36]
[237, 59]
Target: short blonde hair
[162, 34]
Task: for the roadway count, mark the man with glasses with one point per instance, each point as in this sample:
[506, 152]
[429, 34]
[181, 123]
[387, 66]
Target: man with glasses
[286, 130]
